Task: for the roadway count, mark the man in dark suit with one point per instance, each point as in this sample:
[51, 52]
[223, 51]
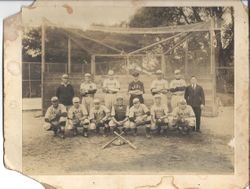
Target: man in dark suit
[195, 97]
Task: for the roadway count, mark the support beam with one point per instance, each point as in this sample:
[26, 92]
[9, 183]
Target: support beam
[69, 55]
[93, 68]
[43, 63]
[186, 57]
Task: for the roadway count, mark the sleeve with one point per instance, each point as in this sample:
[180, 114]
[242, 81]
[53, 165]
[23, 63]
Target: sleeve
[106, 110]
[58, 92]
[113, 111]
[131, 112]
[47, 114]
[91, 114]
[166, 110]
[142, 87]
[84, 111]
[145, 108]
[127, 111]
[118, 84]
[175, 111]
[63, 108]
[183, 85]
[152, 111]
[202, 96]
[70, 113]
[129, 87]
[93, 90]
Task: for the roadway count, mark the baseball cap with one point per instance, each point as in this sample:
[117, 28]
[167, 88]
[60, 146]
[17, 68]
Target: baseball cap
[135, 100]
[76, 99]
[182, 102]
[66, 76]
[135, 74]
[177, 71]
[119, 97]
[157, 96]
[158, 72]
[54, 99]
[87, 75]
[96, 101]
[110, 72]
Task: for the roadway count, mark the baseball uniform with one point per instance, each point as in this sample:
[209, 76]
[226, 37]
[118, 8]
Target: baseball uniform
[119, 113]
[99, 117]
[78, 117]
[111, 87]
[161, 85]
[88, 90]
[159, 116]
[136, 85]
[177, 89]
[139, 116]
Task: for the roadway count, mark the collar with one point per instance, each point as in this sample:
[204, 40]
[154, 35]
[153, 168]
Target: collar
[65, 84]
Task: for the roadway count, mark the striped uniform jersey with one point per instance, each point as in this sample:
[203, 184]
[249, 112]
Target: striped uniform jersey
[53, 112]
[159, 84]
[77, 113]
[120, 112]
[98, 114]
[187, 112]
[159, 111]
[111, 84]
[137, 112]
[136, 85]
[177, 85]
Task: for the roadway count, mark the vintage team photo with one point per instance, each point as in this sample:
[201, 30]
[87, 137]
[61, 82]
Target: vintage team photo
[128, 90]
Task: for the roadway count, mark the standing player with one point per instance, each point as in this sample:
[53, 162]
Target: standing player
[110, 87]
[139, 115]
[136, 89]
[78, 117]
[88, 90]
[55, 117]
[160, 86]
[65, 92]
[183, 117]
[177, 88]
[119, 115]
[159, 115]
[99, 117]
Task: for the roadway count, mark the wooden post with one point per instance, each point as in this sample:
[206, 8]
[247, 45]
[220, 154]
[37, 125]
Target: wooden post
[186, 58]
[43, 64]
[163, 64]
[93, 64]
[127, 65]
[69, 55]
[212, 65]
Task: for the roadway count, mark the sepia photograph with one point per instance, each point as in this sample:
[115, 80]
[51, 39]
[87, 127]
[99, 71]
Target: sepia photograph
[128, 90]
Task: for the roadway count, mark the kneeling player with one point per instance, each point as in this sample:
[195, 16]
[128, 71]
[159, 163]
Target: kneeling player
[78, 117]
[99, 117]
[55, 117]
[183, 117]
[119, 114]
[139, 115]
[159, 115]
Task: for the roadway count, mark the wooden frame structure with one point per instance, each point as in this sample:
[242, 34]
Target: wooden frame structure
[184, 31]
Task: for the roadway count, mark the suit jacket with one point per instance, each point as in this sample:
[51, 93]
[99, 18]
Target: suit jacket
[194, 97]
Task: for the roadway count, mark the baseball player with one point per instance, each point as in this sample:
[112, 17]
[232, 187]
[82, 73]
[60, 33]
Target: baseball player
[139, 115]
[78, 117]
[88, 90]
[160, 86]
[65, 92]
[119, 115]
[183, 117]
[99, 117]
[159, 115]
[136, 89]
[55, 117]
[110, 87]
[177, 88]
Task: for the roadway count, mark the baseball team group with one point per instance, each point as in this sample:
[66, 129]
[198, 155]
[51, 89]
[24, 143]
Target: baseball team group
[176, 106]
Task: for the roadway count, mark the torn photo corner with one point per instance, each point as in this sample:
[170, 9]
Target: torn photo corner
[128, 94]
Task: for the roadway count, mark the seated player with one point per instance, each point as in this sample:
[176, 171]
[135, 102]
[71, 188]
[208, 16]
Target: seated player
[55, 117]
[78, 117]
[99, 117]
[119, 115]
[183, 117]
[159, 115]
[139, 115]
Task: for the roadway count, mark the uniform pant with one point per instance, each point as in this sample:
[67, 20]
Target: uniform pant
[190, 121]
[163, 124]
[139, 121]
[97, 125]
[55, 124]
[112, 124]
[132, 97]
[71, 124]
[87, 102]
[109, 100]
[175, 99]
[197, 112]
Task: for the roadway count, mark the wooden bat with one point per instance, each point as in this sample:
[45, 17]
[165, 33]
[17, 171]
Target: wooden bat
[125, 140]
[109, 142]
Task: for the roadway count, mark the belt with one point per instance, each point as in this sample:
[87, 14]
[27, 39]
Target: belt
[111, 92]
[88, 95]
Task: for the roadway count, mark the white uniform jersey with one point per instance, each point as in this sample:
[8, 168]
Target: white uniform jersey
[52, 112]
[77, 113]
[111, 84]
[187, 112]
[159, 111]
[87, 86]
[178, 83]
[159, 84]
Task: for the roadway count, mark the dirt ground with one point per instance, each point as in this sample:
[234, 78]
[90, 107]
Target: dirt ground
[204, 153]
